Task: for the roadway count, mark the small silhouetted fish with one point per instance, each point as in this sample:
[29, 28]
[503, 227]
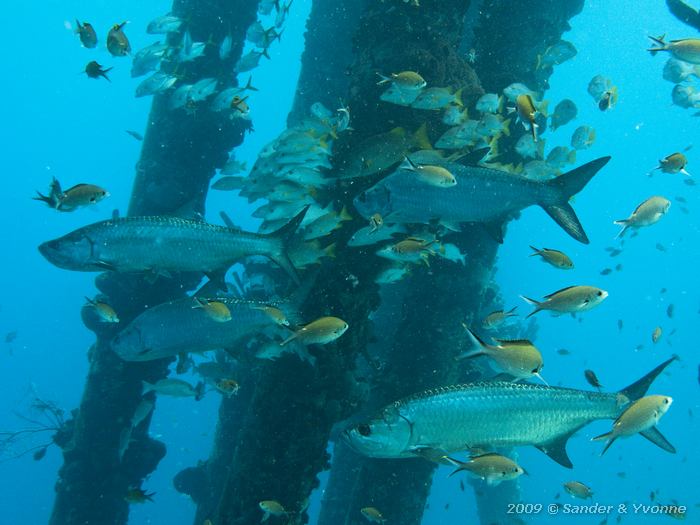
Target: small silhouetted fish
[652, 495]
[684, 210]
[447, 506]
[461, 483]
[622, 475]
[592, 379]
[672, 332]
[620, 324]
[606, 271]
[660, 247]
[604, 522]
[557, 496]
[681, 199]
[39, 454]
[618, 268]
[135, 134]
[689, 182]
[638, 347]
[663, 290]
[615, 252]
[10, 336]
[669, 311]
[563, 351]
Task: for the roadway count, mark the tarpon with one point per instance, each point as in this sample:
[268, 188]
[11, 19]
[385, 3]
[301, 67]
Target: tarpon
[494, 414]
[481, 195]
[178, 326]
[167, 244]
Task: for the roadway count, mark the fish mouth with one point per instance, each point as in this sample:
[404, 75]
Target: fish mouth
[52, 253]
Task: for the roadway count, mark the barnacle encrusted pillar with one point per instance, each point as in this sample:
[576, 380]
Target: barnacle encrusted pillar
[419, 355]
[327, 55]
[281, 443]
[180, 152]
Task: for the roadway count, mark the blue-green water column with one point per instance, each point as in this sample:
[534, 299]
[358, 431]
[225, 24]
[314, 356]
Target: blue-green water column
[180, 153]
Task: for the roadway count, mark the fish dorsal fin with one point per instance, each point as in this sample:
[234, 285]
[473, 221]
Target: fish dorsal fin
[228, 222]
[658, 439]
[514, 342]
[560, 291]
[637, 389]
[484, 455]
[556, 449]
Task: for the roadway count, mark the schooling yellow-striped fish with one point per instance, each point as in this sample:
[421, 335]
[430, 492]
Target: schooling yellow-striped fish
[494, 414]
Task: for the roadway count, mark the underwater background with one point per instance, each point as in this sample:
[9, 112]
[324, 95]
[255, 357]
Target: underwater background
[59, 123]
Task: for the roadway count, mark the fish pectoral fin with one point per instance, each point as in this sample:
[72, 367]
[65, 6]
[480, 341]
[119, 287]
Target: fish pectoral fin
[658, 439]
[556, 449]
[434, 454]
[104, 265]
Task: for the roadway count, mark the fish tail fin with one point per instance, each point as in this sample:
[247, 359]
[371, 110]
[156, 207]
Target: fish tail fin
[625, 224]
[383, 79]
[456, 463]
[458, 98]
[249, 85]
[284, 237]
[637, 389]
[566, 186]
[536, 304]
[534, 250]
[512, 310]
[45, 199]
[659, 41]
[608, 436]
[420, 137]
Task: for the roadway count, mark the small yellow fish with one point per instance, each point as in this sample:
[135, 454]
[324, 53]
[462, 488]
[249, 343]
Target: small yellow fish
[492, 468]
[647, 213]
[277, 315]
[375, 222]
[87, 34]
[228, 387]
[272, 508]
[656, 334]
[137, 495]
[373, 515]
[497, 318]
[411, 249]
[73, 198]
[408, 80]
[686, 49]
[104, 311]
[525, 107]
[674, 163]
[608, 99]
[216, 310]
[432, 175]
[240, 105]
[639, 418]
[578, 489]
[569, 300]
[321, 331]
[117, 42]
[518, 358]
[554, 257]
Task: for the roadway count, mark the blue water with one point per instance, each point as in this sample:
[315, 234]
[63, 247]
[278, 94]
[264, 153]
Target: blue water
[58, 123]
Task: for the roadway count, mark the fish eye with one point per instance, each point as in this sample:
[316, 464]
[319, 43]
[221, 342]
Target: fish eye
[364, 429]
[665, 401]
[599, 293]
[504, 473]
[535, 370]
